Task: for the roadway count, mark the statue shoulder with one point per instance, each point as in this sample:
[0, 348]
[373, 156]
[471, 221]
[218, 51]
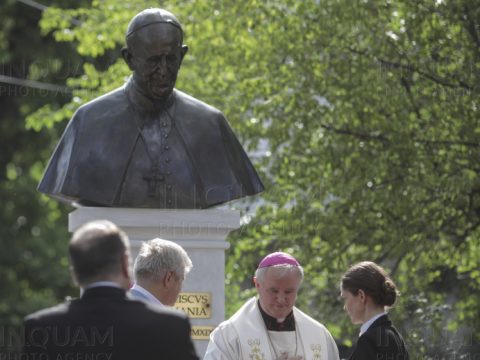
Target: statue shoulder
[107, 104]
[195, 106]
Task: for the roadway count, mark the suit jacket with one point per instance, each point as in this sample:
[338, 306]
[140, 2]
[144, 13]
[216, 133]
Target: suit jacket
[96, 149]
[380, 342]
[106, 324]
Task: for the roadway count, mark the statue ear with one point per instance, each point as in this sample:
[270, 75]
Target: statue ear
[183, 51]
[127, 56]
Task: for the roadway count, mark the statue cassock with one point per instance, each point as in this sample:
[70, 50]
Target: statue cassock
[146, 144]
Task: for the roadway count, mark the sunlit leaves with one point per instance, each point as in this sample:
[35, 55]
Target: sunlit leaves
[362, 118]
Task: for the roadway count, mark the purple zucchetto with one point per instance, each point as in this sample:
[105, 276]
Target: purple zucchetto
[278, 258]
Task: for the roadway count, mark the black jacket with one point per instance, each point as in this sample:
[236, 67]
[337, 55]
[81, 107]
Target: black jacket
[380, 342]
[105, 324]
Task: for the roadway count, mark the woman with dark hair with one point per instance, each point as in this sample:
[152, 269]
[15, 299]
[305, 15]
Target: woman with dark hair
[368, 291]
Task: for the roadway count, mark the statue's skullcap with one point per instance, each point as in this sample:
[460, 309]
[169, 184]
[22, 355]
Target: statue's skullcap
[152, 16]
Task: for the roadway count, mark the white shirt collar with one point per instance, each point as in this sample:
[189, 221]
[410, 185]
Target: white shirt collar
[146, 293]
[368, 323]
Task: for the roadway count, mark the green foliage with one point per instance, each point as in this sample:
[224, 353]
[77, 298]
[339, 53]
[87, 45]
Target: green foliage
[366, 116]
[33, 260]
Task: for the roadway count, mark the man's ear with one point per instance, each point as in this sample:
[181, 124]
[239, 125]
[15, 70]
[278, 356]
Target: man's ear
[168, 279]
[183, 51]
[128, 57]
[74, 277]
[126, 266]
[255, 281]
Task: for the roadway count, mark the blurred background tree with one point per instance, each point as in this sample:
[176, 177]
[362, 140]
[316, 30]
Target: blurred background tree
[33, 263]
[362, 118]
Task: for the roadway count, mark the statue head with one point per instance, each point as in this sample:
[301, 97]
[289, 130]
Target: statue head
[154, 51]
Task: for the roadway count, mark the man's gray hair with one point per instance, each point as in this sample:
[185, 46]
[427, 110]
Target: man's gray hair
[158, 256]
[280, 271]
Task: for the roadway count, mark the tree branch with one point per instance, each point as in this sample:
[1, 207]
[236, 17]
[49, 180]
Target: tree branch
[385, 140]
[412, 69]
[448, 142]
[363, 136]
[407, 87]
[471, 28]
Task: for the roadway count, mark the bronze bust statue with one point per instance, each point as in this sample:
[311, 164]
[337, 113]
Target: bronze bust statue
[147, 144]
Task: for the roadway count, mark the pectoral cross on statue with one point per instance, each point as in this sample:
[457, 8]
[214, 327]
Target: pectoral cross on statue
[153, 178]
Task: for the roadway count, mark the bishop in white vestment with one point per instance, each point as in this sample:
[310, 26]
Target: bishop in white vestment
[270, 327]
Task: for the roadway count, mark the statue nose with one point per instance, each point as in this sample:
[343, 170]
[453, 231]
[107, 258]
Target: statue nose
[161, 65]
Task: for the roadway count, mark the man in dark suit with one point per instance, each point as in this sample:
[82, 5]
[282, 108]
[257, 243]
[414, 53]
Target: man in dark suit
[104, 323]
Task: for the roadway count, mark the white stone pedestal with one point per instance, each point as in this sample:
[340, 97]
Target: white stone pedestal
[201, 233]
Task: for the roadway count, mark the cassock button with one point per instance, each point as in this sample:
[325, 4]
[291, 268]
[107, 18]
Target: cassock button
[167, 160]
[167, 147]
[169, 187]
[164, 124]
[166, 136]
[169, 202]
[169, 173]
